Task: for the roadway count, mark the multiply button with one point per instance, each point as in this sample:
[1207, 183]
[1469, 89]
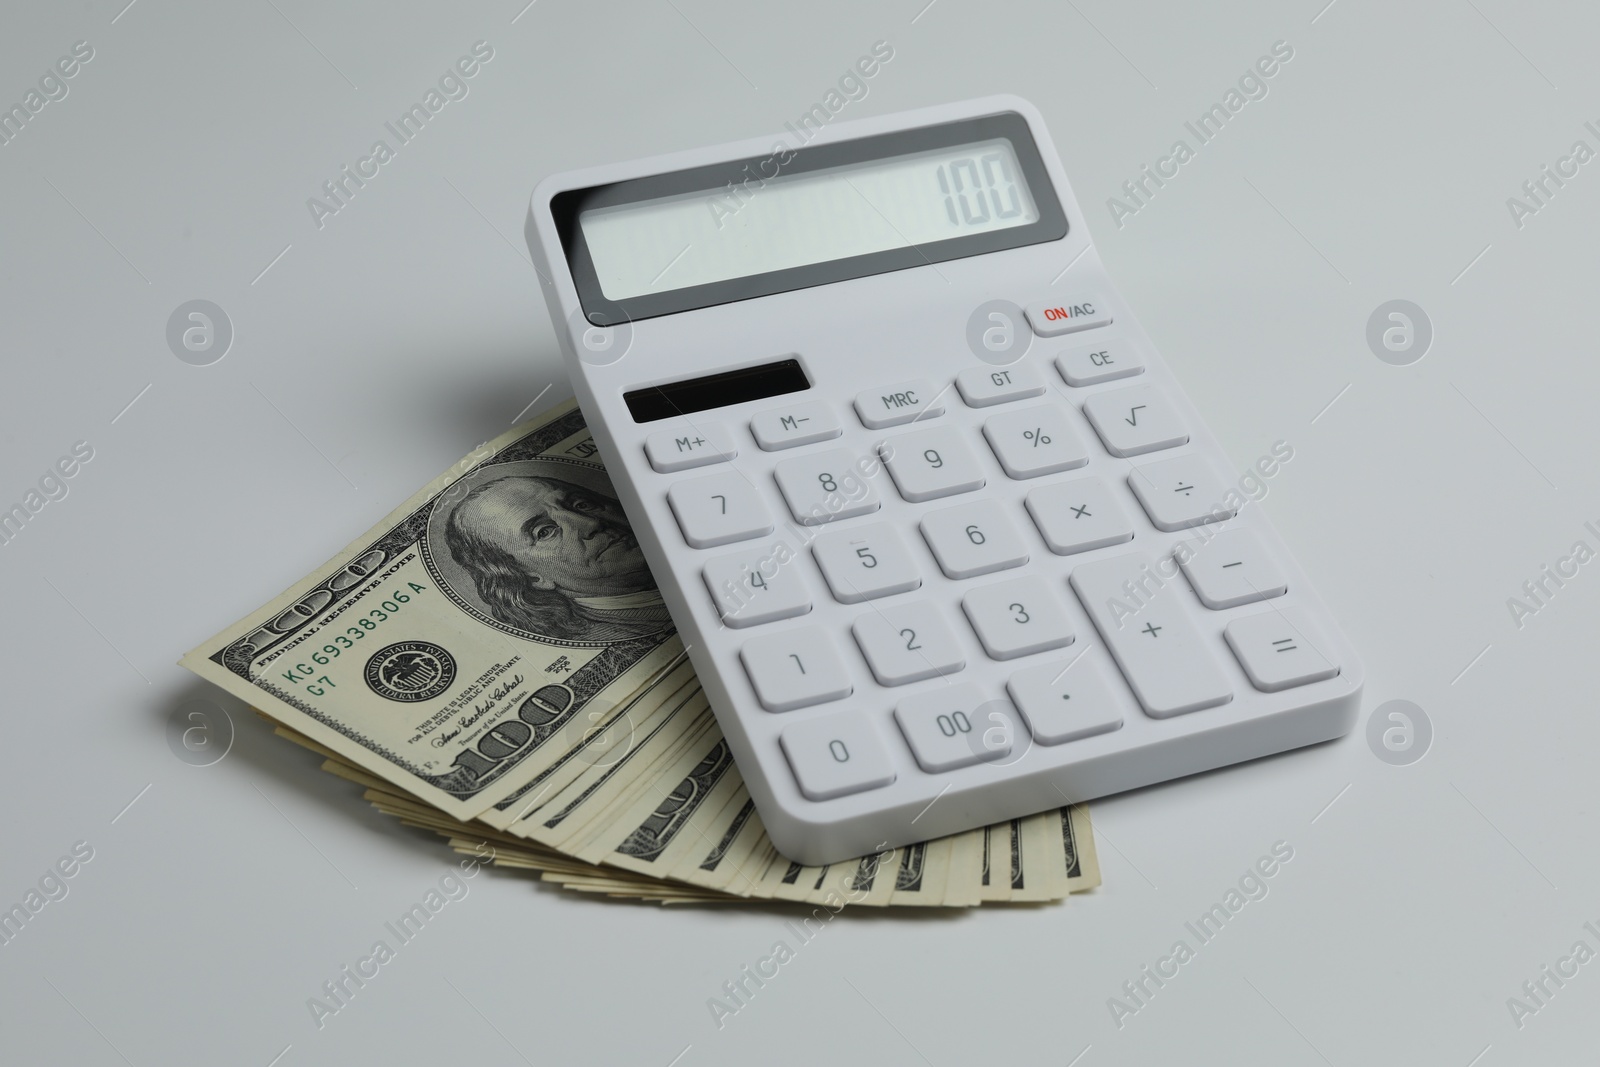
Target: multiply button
[1084, 311]
[902, 402]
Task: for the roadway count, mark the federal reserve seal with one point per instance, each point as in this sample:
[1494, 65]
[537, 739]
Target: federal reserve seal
[410, 671]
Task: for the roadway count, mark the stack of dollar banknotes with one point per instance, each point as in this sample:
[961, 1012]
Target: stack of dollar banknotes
[492, 662]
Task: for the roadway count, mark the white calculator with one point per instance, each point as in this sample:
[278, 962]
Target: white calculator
[944, 537]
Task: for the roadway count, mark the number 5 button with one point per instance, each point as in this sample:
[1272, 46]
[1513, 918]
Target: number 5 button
[866, 563]
[718, 510]
[837, 755]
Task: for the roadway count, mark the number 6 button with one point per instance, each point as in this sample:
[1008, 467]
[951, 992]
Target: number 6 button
[836, 755]
[973, 539]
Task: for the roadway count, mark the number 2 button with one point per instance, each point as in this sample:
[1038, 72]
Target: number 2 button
[907, 643]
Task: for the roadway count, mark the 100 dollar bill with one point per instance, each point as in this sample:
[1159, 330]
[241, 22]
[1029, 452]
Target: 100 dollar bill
[472, 637]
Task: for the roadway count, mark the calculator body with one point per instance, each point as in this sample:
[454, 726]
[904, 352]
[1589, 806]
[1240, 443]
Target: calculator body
[868, 372]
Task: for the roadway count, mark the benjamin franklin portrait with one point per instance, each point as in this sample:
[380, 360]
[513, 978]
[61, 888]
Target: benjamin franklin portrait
[549, 555]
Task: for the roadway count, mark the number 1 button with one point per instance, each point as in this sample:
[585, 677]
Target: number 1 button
[795, 670]
[837, 755]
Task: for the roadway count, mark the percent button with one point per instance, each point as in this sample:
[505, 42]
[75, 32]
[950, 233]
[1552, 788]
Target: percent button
[1037, 440]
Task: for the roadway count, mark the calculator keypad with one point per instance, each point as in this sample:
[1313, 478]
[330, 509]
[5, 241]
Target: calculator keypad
[1181, 492]
[947, 476]
[838, 754]
[1078, 516]
[686, 446]
[1103, 362]
[1066, 702]
[983, 386]
[899, 403]
[1231, 569]
[1279, 649]
[1171, 668]
[795, 425]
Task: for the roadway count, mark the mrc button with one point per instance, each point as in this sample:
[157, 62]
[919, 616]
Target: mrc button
[891, 405]
[1080, 311]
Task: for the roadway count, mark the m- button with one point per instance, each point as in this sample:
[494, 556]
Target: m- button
[902, 402]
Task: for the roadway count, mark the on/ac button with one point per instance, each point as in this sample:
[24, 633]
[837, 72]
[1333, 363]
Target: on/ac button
[1080, 311]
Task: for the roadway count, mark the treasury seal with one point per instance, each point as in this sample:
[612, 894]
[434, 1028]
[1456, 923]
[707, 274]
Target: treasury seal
[410, 671]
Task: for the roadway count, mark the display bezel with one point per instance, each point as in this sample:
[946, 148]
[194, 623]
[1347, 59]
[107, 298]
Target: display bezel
[565, 208]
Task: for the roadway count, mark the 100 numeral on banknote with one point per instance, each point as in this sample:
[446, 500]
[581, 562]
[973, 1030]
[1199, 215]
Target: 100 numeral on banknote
[469, 639]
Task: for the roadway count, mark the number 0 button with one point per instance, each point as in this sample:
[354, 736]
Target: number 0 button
[837, 755]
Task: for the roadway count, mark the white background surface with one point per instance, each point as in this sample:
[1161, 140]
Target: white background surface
[384, 345]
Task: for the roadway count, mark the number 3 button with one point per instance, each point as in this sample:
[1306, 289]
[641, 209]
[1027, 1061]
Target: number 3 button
[837, 755]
